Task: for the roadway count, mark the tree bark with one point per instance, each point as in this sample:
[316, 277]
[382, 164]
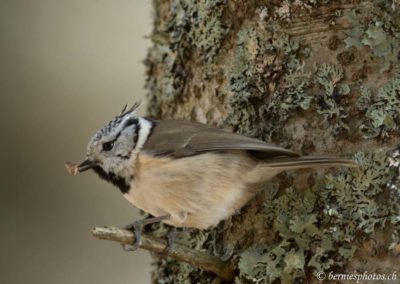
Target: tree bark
[315, 76]
[223, 269]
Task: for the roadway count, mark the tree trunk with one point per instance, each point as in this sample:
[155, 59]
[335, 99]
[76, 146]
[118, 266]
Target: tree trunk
[314, 76]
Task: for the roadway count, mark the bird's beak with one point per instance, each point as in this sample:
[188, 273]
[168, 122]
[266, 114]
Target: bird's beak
[86, 165]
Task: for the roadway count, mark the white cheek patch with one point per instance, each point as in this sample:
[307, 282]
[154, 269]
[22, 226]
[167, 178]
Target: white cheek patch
[144, 132]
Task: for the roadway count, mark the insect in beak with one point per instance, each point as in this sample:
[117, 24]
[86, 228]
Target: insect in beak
[73, 168]
[86, 165]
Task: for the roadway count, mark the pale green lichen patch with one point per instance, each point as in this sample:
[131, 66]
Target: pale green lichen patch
[172, 271]
[244, 82]
[262, 58]
[198, 26]
[383, 115]
[292, 96]
[329, 102]
[318, 230]
[191, 32]
[355, 196]
[267, 57]
[364, 100]
[283, 11]
[375, 26]
[372, 27]
[264, 264]
[291, 217]
[394, 197]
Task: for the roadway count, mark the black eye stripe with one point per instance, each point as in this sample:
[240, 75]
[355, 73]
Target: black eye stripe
[107, 146]
[134, 121]
[131, 121]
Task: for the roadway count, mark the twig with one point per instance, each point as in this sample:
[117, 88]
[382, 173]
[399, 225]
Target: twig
[225, 270]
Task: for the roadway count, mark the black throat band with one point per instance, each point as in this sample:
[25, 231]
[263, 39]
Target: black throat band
[112, 178]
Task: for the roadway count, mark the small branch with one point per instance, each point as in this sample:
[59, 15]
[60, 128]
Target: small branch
[225, 270]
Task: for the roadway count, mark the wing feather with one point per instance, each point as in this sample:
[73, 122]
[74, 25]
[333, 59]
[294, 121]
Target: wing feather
[183, 138]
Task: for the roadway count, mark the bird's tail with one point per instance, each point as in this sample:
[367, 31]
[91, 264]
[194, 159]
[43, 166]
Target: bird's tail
[308, 162]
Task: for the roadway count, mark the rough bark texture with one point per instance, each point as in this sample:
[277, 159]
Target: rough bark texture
[224, 269]
[316, 76]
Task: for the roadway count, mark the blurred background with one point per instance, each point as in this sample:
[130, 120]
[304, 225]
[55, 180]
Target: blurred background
[66, 68]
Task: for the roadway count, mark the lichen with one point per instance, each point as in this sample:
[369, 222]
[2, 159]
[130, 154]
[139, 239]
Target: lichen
[328, 77]
[264, 264]
[191, 32]
[244, 82]
[284, 10]
[371, 27]
[383, 116]
[198, 27]
[172, 271]
[394, 197]
[268, 81]
[286, 100]
[262, 58]
[295, 225]
[354, 194]
[364, 100]
[317, 230]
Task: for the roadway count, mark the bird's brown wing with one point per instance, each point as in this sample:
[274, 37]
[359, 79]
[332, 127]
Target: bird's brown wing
[182, 138]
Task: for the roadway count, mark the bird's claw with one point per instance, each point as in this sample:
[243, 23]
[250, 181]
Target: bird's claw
[128, 247]
[137, 228]
[171, 237]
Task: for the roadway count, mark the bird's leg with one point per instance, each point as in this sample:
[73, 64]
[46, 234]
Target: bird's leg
[174, 233]
[171, 237]
[137, 228]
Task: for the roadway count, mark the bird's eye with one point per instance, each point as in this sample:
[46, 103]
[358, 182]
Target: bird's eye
[108, 146]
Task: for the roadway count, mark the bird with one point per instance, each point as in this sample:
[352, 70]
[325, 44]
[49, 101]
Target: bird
[186, 174]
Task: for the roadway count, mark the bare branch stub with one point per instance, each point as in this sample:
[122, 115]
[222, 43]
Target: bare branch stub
[224, 269]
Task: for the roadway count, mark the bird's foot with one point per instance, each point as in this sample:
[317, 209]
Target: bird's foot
[137, 228]
[171, 238]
